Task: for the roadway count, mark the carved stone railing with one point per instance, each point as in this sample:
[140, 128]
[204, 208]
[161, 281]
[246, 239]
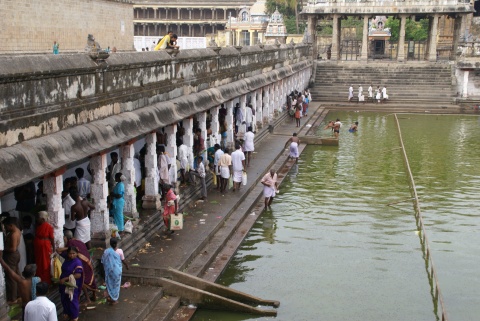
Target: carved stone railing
[468, 49]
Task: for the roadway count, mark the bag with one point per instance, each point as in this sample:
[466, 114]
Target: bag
[128, 227]
[244, 178]
[55, 267]
[214, 179]
[230, 182]
[176, 222]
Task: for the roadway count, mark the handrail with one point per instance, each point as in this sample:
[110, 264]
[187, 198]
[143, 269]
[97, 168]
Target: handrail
[427, 252]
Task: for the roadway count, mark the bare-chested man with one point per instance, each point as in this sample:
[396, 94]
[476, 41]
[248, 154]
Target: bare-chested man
[336, 128]
[11, 256]
[26, 284]
[79, 212]
[294, 143]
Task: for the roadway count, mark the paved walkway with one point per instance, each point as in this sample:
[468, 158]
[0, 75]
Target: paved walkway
[207, 227]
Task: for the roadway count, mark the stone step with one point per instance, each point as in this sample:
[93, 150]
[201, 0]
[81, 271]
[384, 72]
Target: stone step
[164, 309]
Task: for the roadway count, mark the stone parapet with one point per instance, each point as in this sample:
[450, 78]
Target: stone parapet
[380, 7]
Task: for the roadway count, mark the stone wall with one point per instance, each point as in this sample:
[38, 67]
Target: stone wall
[57, 108]
[32, 26]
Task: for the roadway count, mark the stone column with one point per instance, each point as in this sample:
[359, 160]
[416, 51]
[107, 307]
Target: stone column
[151, 175]
[230, 124]
[266, 105]
[465, 83]
[53, 187]
[188, 138]
[401, 39]
[128, 170]
[215, 138]
[336, 36]
[259, 110]
[242, 129]
[254, 109]
[237, 40]
[457, 34]
[190, 14]
[364, 54]
[432, 38]
[251, 33]
[202, 121]
[312, 34]
[189, 30]
[171, 149]
[99, 191]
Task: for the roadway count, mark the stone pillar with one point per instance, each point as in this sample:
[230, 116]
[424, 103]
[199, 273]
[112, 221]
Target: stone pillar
[253, 101]
[202, 121]
[99, 191]
[364, 54]
[228, 36]
[259, 110]
[465, 83]
[242, 129]
[336, 36]
[190, 14]
[457, 34]
[266, 105]
[432, 38]
[128, 170]
[251, 33]
[237, 40]
[151, 175]
[188, 138]
[312, 34]
[215, 138]
[401, 39]
[278, 97]
[189, 30]
[53, 187]
[171, 149]
[230, 124]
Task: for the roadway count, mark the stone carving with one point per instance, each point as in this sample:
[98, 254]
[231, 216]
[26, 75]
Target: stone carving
[94, 50]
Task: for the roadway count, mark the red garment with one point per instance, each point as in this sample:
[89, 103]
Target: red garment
[168, 210]
[43, 249]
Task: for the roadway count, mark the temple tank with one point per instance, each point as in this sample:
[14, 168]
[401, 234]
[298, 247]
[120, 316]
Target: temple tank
[331, 249]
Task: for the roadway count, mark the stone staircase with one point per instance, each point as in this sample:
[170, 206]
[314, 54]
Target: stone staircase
[407, 84]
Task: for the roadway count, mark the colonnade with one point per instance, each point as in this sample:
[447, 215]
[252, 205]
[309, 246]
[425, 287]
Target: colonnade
[431, 48]
[266, 102]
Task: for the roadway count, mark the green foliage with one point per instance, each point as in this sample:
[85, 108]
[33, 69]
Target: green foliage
[282, 7]
[414, 30]
[291, 25]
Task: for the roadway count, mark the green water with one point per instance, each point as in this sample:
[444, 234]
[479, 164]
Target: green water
[330, 248]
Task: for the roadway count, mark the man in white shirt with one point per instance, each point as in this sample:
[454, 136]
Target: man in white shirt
[41, 309]
[183, 158]
[67, 203]
[83, 185]
[238, 165]
[218, 154]
[200, 172]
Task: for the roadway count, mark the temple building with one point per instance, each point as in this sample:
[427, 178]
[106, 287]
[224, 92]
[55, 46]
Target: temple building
[185, 18]
[457, 11]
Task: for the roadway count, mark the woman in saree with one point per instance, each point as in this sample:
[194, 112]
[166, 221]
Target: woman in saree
[118, 202]
[71, 282]
[44, 246]
[112, 260]
[171, 206]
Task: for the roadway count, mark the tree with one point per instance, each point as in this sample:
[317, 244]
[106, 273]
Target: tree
[414, 30]
[288, 8]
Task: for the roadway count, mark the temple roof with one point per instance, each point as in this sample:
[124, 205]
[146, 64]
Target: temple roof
[258, 8]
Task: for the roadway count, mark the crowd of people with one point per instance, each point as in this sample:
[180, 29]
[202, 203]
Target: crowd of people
[297, 104]
[380, 96]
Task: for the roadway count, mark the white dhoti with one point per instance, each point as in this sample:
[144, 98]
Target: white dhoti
[378, 96]
[268, 191]
[249, 146]
[224, 172]
[294, 150]
[183, 163]
[237, 176]
[217, 170]
[82, 230]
